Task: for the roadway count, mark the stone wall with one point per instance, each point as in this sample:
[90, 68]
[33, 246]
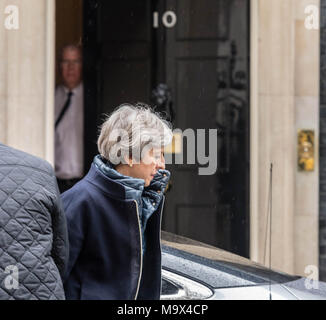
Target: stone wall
[284, 99]
[27, 77]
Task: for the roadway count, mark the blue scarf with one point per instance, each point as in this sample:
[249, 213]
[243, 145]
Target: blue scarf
[148, 198]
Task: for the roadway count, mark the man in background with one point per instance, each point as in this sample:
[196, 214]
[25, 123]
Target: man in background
[69, 119]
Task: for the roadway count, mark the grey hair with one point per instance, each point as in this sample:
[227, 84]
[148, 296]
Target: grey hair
[131, 130]
[70, 46]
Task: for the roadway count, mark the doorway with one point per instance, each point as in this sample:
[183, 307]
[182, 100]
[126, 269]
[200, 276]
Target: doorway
[190, 58]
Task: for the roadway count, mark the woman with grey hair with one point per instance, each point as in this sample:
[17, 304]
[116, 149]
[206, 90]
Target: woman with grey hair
[114, 213]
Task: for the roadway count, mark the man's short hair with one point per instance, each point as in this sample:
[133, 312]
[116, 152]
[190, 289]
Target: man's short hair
[70, 46]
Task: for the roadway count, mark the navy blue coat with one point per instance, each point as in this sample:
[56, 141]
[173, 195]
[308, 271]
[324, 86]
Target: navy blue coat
[105, 258]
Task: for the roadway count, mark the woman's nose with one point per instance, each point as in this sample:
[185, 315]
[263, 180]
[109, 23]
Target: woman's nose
[160, 164]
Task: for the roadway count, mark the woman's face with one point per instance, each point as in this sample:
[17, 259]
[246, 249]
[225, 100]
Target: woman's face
[152, 161]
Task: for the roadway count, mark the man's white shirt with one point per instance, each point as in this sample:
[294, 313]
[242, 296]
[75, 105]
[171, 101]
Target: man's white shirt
[69, 134]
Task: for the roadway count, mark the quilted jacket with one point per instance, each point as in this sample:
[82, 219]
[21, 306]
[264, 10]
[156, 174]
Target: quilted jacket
[33, 233]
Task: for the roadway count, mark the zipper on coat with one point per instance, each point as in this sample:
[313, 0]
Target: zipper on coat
[141, 251]
[160, 242]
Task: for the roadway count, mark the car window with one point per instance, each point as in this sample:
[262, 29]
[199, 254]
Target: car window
[219, 274]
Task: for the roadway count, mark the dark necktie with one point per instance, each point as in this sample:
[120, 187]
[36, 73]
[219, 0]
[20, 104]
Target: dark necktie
[64, 109]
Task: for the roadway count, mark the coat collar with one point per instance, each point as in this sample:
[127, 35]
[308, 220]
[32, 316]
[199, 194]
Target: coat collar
[133, 187]
[117, 190]
[107, 185]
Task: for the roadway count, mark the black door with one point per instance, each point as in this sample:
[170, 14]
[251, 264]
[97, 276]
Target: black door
[117, 47]
[198, 51]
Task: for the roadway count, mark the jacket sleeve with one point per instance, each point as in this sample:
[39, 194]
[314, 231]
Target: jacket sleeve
[76, 213]
[60, 248]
